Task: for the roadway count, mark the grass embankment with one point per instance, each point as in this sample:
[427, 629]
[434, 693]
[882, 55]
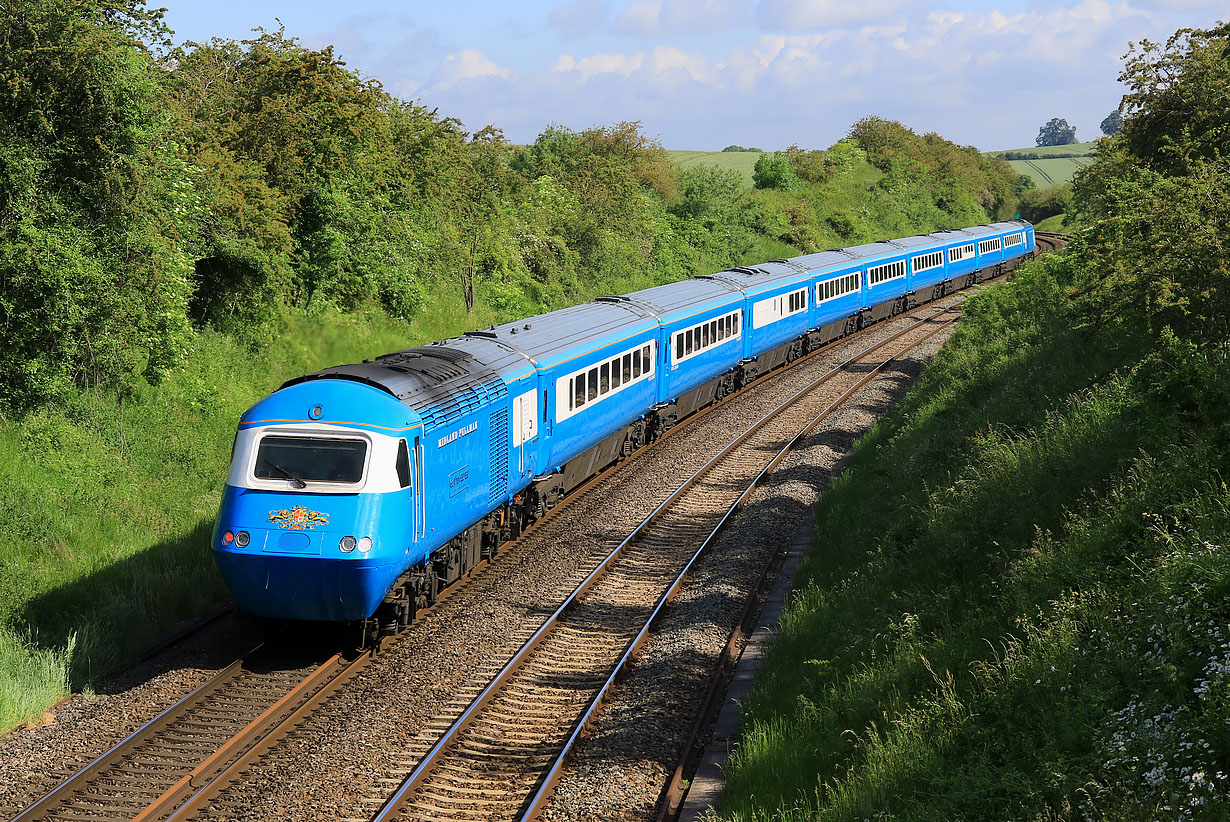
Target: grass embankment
[1053, 224]
[1016, 604]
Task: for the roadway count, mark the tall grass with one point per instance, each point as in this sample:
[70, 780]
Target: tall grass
[1015, 605]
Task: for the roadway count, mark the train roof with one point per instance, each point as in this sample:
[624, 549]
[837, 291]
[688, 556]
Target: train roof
[674, 301]
[546, 340]
[439, 382]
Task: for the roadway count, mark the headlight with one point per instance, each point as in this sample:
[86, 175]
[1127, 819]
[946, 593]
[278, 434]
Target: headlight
[242, 539]
[347, 544]
[365, 544]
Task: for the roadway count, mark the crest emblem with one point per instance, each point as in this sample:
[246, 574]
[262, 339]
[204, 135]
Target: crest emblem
[298, 518]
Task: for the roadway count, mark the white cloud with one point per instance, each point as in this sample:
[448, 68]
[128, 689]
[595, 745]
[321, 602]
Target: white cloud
[468, 64]
[587, 67]
[797, 15]
[655, 18]
[662, 63]
[640, 19]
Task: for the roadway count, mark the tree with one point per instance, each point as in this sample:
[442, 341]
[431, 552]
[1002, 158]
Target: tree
[1057, 132]
[1178, 100]
[93, 282]
[774, 171]
[1112, 123]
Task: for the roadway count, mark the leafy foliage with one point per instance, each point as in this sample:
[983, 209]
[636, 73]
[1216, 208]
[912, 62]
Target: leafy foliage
[1156, 202]
[1038, 204]
[774, 171]
[93, 276]
[960, 180]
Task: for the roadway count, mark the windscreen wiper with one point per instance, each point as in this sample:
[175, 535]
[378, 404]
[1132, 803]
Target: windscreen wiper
[298, 483]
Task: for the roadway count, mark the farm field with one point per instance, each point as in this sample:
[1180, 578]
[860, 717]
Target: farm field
[1054, 165]
[1070, 150]
[1052, 171]
[741, 161]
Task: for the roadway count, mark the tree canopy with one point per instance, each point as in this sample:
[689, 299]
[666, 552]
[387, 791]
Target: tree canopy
[1157, 197]
[1056, 132]
[148, 192]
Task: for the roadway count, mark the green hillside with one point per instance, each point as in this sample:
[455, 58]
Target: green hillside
[1016, 601]
[741, 161]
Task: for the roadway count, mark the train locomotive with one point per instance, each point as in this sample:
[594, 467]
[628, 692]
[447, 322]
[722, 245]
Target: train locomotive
[357, 492]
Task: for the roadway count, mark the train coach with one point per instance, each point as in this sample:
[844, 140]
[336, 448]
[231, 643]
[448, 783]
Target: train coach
[357, 492]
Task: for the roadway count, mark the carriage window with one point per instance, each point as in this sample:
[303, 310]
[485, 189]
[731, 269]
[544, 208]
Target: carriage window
[646, 362]
[713, 330]
[604, 378]
[310, 459]
[736, 322]
[615, 381]
[593, 383]
[704, 336]
[636, 365]
[627, 367]
[688, 336]
[578, 394]
[679, 347]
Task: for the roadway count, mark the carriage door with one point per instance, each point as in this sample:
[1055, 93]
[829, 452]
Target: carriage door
[525, 429]
[420, 508]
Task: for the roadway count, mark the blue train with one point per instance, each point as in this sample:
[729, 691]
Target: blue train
[359, 491]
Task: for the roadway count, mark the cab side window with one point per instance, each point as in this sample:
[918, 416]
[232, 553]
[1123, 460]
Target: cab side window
[403, 464]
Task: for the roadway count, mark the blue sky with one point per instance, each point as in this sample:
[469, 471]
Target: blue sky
[702, 74]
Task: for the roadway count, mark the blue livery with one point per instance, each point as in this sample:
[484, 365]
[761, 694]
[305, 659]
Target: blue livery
[358, 491]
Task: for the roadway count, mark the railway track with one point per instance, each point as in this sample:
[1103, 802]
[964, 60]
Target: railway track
[499, 760]
[183, 759]
[1048, 241]
[165, 764]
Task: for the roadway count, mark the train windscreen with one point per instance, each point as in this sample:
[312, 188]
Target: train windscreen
[310, 459]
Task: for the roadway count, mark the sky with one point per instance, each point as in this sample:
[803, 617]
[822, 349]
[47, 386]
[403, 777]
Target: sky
[704, 74]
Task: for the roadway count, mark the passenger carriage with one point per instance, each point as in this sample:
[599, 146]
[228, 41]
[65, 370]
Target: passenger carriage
[361, 489]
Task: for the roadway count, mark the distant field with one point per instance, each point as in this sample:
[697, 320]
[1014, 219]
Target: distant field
[741, 161]
[1080, 149]
[1050, 172]
[1058, 165]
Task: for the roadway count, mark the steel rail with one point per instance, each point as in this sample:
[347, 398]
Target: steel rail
[538, 802]
[462, 723]
[269, 724]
